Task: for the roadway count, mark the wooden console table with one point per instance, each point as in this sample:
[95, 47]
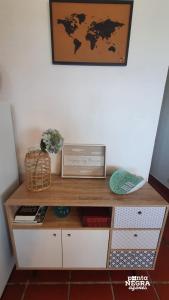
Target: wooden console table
[131, 242]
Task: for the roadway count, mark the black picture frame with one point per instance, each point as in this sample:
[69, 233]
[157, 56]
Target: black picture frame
[59, 46]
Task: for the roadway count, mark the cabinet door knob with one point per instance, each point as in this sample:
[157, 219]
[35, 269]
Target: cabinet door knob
[135, 235]
[54, 234]
[68, 234]
[139, 212]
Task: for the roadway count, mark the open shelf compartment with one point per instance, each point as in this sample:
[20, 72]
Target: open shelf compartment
[79, 217]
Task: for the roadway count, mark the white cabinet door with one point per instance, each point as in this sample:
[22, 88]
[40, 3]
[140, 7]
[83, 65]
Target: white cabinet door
[38, 248]
[85, 248]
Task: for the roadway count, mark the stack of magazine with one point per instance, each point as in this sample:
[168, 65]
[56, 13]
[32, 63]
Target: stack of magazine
[30, 214]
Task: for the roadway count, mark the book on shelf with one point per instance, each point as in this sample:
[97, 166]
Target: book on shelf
[26, 213]
[30, 214]
[40, 216]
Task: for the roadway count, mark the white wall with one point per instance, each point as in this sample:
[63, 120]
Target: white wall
[116, 106]
[160, 161]
[8, 183]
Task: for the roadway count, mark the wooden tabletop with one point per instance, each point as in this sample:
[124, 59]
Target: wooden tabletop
[84, 192]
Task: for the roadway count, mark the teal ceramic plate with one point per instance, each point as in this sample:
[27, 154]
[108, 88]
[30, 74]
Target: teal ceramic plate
[123, 182]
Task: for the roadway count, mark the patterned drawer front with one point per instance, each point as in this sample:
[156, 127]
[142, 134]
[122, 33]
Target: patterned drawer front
[139, 217]
[143, 259]
[134, 239]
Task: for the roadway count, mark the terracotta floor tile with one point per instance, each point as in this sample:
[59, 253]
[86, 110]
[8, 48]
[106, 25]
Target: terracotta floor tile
[122, 292]
[90, 276]
[50, 276]
[161, 272]
[120, 275]
[162, 291]
[123, 275]
[19, 276]
[46, 292]
[13, 292]
[166, 232]
[91, 292]
[141, 273]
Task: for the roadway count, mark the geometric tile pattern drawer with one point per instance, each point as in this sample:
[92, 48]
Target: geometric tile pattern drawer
[139, 217]
[123, 259]
[134, 239]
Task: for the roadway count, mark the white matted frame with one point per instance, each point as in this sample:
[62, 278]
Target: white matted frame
[83, 161]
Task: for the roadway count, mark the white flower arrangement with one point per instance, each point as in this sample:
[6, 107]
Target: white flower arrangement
[51, 141]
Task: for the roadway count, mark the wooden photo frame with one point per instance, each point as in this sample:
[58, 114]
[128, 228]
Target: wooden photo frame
[90, 32]
[83, 161]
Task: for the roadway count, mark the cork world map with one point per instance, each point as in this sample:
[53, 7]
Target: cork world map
[90, 32]
[94, 31]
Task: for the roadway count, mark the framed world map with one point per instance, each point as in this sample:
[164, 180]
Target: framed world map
[90, 32]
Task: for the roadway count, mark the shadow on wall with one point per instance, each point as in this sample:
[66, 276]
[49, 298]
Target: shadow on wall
[3, 197]
[0, 82]
[110, 169]
[5, 86]
[32, 137]
[29, 140]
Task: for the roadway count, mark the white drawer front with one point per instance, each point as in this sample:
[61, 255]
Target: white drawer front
[135, 239]
[139, 217]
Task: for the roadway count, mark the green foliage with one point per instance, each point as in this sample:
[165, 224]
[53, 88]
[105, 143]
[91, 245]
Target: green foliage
[51, 141]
